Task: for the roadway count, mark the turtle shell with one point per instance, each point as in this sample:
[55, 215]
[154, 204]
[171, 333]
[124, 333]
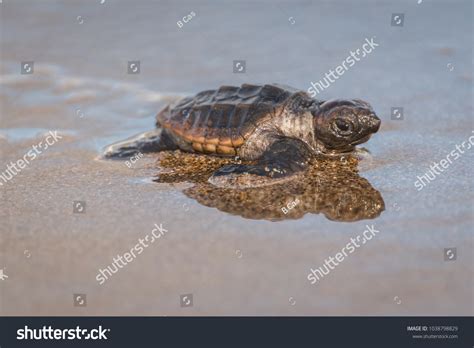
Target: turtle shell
[220, 121]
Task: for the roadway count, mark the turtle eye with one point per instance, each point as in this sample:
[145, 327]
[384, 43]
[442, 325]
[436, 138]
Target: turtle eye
[343, 126]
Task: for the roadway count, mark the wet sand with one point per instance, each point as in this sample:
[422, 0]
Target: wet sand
[236, 255]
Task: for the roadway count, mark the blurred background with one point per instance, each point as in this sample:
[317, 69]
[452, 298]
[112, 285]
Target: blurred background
[79, 80]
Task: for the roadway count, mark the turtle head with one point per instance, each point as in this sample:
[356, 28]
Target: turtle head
[339, 124]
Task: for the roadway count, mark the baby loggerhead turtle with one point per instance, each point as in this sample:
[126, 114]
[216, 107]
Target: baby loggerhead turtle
[274, 128]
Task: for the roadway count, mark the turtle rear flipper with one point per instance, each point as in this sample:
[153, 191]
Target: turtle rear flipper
[151, 141]
[283, 160]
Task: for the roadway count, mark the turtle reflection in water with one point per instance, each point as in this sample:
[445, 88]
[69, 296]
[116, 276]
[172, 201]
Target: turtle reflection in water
[328, 187]
[276, 132]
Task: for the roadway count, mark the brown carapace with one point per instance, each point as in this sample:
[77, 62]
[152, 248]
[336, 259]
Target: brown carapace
[219, 121]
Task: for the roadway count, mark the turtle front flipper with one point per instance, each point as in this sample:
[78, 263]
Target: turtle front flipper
[283, 160]
[151, 141]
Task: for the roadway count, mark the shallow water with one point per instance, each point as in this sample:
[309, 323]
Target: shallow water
[238, 253]
[330, 187]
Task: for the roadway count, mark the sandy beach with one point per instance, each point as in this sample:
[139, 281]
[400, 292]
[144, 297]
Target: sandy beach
[68, 213]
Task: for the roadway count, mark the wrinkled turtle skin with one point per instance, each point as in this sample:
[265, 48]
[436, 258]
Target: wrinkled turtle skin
[277, 127]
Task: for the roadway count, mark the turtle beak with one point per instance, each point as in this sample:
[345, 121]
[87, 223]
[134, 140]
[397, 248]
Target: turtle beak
[361, 140]
[374, 124]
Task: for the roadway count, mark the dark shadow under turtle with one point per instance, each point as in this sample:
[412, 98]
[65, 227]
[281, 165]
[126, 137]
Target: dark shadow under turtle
[329, 187]
[274, 129]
